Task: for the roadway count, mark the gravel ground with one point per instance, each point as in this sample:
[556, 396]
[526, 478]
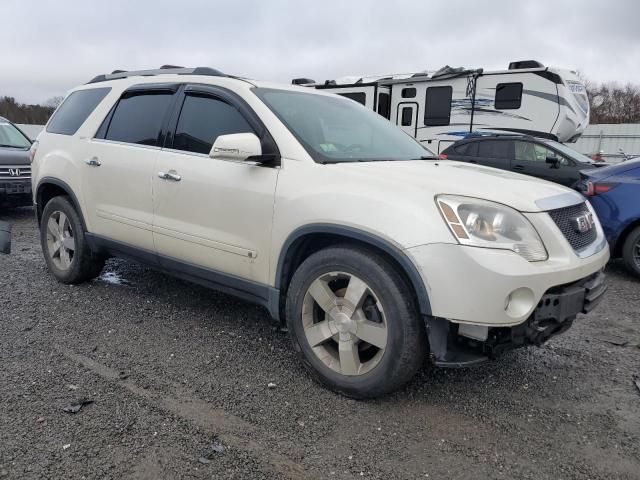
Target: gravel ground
[175, 370]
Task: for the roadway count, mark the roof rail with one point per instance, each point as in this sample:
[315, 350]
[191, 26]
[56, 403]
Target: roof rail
[163, 70]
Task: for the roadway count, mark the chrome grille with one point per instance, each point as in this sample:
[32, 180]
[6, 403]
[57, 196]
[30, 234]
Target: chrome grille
[564, 219]
[8, 172]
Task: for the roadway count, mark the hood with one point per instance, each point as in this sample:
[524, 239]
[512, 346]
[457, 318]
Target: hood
[524, 193]
[13, 156]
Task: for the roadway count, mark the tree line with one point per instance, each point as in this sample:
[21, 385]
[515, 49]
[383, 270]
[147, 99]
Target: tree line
[614, 103]
[27, 113]
[610, 103]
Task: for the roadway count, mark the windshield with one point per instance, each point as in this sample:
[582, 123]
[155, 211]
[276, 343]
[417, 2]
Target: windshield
[569, 152]
[337, 129]
[11, 137]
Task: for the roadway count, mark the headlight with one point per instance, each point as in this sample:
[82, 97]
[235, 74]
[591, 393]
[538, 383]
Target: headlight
[481, 223]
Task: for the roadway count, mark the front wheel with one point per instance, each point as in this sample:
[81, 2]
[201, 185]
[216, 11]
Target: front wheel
[64, 245]
[353, 320]
[631, 251]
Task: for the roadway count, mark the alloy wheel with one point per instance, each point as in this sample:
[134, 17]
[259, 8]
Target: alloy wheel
[60, 241]
[344, 323]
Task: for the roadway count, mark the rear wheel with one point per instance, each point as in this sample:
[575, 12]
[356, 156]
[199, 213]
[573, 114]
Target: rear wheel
[631, 251]
[353, 320]
[64, 245]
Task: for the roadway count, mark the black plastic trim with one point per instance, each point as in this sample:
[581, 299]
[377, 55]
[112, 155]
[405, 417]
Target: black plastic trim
[142, 88]
[64, 186]
[254, 292]
[269, 147]
[349, 232]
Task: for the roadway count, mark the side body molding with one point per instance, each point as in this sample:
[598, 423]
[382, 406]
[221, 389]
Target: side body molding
[64, 186]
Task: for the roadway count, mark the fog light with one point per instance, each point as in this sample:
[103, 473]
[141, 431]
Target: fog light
[519, 302]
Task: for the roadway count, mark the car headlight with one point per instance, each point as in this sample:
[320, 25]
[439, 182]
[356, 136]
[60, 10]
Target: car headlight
[481, 223]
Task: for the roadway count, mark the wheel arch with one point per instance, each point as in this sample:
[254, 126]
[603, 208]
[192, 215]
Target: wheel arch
[50, 187]
[306, 240]
[616, 251]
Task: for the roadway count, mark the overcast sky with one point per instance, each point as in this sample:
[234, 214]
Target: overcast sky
[47, 47]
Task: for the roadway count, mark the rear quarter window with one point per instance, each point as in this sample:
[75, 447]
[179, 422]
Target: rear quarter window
[70, 116]
[469, 149]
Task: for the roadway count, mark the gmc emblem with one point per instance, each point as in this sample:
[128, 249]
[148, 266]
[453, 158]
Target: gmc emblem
[15, 172]
[583, 223]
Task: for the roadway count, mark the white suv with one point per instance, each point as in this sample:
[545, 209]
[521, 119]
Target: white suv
[370, 249]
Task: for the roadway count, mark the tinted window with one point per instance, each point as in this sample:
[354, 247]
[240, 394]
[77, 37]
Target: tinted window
[407, 116]
[438, 107]
[470, 149]
[508, 96]
[202, 120]
[493, 149]
[75, 109]
[139, 118]
[359, 97]
[408, 92]
[384, 105]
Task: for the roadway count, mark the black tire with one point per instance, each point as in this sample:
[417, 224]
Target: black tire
[630, 250]
[406, 346]
[85, 264]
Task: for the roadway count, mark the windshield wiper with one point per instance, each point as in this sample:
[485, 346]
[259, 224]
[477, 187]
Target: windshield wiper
[11, 146]
[427, 157]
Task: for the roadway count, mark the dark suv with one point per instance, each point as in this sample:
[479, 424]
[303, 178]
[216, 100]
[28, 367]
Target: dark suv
[538, 157]
[15, 167]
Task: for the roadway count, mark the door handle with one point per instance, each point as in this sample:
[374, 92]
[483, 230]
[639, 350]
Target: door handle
[170, 175]
[93, 162]
[518, 167]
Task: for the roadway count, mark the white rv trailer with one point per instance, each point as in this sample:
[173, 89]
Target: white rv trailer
[450, 104]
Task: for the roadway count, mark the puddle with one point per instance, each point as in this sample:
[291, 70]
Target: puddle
[113, 278]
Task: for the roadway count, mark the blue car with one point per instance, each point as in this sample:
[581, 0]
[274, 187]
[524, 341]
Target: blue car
[614, 193]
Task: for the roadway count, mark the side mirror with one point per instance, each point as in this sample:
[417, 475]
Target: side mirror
[5, 237]
[554, 161]
[237, 146]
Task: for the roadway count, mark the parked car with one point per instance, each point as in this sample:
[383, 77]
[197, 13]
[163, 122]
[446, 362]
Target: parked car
[538, 157]
[15, 167]
[614, 193]
[372, 251]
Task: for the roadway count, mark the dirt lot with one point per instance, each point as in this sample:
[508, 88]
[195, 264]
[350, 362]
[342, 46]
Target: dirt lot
[175, 371]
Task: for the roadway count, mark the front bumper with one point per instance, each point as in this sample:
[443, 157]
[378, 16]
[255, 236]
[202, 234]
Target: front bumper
[482, 286]
[16, 192]
[554, 314]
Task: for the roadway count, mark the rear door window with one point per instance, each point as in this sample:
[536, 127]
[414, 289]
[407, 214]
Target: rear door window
[76, 108]
[494, 149]
[202, 120]
[138, 117]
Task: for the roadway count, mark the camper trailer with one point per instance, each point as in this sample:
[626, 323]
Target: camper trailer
[450, 104]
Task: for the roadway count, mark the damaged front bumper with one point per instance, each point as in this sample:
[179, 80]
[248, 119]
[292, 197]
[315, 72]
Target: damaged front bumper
[458, 345]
